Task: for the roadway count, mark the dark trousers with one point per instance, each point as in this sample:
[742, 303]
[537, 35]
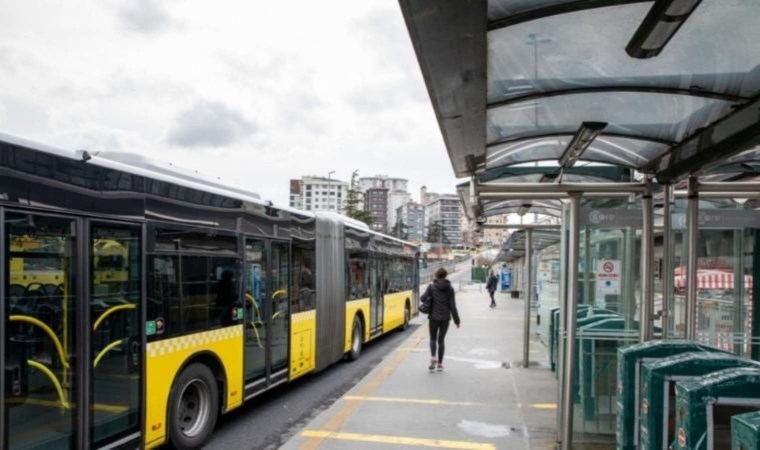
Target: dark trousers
[438, 329]
[493, 300]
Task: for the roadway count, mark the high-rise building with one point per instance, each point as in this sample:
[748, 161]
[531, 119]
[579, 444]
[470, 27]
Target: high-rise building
[376, 202]
[413, 218]
[397, 193]
[312, 193]
[445, 211]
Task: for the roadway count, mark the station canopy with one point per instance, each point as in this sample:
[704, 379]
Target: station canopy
[673, 86]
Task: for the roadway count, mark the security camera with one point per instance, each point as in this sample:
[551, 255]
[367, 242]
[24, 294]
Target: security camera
[480, 220]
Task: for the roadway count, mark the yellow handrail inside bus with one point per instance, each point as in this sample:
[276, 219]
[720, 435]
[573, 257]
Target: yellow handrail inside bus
[110, 311]
[278, 293]
[53, 379]
[49, 331]
[250, 298]
[105, 350]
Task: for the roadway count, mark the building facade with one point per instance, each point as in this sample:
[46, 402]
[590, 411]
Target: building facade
[397, 193]
[413, 217]
[376, 202]
[318, 194]
[445, 212]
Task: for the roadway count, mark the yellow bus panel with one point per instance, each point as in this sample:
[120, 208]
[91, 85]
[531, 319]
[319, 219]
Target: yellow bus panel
[393, 309]
[352, 308]
[303, 343]
[166, 357]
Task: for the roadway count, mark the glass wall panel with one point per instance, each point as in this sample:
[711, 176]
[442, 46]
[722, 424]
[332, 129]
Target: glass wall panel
[40, 323]
[116, 343]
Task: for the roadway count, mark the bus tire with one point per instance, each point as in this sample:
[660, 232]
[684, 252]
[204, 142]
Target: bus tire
[194, 407]
[356, 340]
[407, 317]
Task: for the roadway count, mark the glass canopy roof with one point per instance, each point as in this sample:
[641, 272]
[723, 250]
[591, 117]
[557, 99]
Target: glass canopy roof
[550, 65]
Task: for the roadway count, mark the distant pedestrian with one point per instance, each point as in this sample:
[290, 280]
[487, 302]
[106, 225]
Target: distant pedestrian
[440, 296]
[491, 287]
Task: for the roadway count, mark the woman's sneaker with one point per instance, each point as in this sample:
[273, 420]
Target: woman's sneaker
[431, 367]
[439, 367]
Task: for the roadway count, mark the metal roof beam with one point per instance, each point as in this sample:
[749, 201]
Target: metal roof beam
[711, 146]
[606, 134]
[553, 10]
[603, 89]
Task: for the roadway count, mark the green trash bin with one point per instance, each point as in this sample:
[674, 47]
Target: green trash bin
[658, 379]
[628, 376]
[745, 431]
[704, 406]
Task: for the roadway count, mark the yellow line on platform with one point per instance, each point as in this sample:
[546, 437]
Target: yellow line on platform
[421, 401]
[398, 440]
[544, 405]
[349, 408]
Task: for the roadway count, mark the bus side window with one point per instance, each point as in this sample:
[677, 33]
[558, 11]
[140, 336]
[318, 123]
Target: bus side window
[303, 281]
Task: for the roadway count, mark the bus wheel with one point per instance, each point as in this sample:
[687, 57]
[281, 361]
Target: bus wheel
[356, 340]
[194, 407]
[407, 317]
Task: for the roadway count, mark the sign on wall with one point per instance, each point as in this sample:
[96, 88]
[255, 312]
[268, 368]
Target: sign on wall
[608, 277]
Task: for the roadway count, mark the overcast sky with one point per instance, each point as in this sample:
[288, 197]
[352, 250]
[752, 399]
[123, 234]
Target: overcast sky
[255, 92]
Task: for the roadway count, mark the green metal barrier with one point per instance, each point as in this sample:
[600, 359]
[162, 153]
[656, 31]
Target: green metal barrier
[657, 400]
[745, 431]
[584, 311]
[479, 274]
[598, 344]
[628, 374]
[704, 406]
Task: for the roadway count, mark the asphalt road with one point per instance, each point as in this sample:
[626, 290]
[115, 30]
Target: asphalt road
[267, 421]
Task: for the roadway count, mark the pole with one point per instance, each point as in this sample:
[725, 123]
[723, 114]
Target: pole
[667, 262]
[692, 227]
[647, 263]
[562, 319]
[528, 296]
[572, 320]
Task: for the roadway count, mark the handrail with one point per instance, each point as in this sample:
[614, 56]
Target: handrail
[49, 331]
[110, 311]
[53, 379]
[250, 298]
[105, 350]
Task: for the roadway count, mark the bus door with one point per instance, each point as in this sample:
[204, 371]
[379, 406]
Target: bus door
[376, 296]
[267, 313]
[61, 351]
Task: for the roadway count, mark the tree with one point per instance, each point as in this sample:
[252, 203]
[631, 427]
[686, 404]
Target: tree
[400, 230]
[435, 233]
[354, 208]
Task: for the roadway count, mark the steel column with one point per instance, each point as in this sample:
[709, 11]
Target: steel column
[667, 261]
[647, 263]
[571, 321]
[528, 296]
[562, 318]
[692, 227]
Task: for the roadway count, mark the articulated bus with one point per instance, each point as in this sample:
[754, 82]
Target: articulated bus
[140, 301]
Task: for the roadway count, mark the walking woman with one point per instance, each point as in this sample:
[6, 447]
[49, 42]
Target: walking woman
[491, 287]
[439, 296]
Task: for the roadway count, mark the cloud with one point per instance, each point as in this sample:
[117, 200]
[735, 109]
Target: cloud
[144, 16]
[209, 124]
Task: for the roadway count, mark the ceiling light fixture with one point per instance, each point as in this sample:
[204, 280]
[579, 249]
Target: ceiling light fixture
[659, 26]
[583, 138]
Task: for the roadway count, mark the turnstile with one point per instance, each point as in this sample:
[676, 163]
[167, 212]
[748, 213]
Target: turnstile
[704, 406]
[745, 431]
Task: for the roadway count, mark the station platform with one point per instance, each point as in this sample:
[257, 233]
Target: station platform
[483, 399]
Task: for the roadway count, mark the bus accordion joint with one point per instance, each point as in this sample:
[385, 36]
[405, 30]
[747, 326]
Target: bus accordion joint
[53, 379]
[110, 311]
[49, 331]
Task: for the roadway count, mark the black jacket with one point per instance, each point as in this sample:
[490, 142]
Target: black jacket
[443, 304]
[491, 284]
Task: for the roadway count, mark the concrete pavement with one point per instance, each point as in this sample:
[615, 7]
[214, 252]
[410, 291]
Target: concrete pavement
[482, 401]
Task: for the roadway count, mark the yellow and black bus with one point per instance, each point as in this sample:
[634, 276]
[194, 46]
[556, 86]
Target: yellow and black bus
[139, 301]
